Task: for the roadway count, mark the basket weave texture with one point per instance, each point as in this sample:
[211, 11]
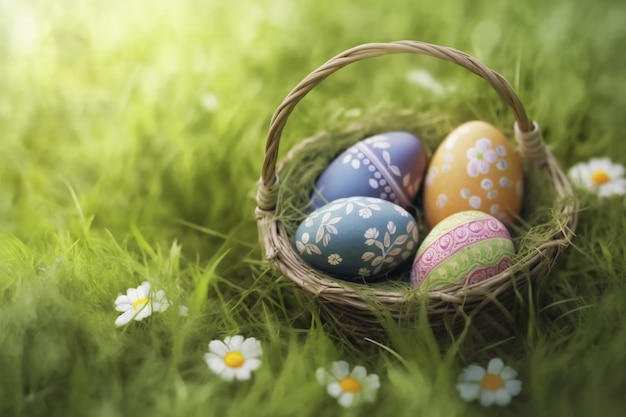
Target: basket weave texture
[358, 309]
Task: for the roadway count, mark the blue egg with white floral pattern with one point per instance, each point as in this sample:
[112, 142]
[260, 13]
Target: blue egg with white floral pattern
[389, 166]
[357, 238]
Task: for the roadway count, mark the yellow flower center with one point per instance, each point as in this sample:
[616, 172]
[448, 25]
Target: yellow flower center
[138, 305]
[492, 382]
[600, 177]
[349, 384]
[234, 359]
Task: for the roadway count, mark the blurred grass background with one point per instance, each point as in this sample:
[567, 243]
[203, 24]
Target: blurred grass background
[131, 140]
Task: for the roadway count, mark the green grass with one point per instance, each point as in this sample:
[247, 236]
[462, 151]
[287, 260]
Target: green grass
[115, 168]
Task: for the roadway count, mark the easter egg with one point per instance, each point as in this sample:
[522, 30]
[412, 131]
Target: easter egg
[474, 168]
[466, 247]
[357, 238]
[389, 166]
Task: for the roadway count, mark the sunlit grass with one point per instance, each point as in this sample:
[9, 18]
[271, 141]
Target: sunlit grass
[131, 140]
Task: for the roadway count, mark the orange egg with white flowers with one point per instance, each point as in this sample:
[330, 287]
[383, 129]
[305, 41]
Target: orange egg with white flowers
[474, 168]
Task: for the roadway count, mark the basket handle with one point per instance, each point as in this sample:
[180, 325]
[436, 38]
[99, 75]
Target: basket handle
[527, 132]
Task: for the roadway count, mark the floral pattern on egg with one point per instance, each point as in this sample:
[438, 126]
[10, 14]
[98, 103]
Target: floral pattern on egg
[357, 156]
[475, 168]
[481, 156]
[357, 238]
[469, 246]
[389, 166]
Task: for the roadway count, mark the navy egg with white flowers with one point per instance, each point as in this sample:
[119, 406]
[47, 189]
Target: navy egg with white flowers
[357, 238]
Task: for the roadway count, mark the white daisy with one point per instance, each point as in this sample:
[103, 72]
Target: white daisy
[349, 388]
[139, 303]
[234, 358]
[496, 385]
[183, 310]
[600, 175]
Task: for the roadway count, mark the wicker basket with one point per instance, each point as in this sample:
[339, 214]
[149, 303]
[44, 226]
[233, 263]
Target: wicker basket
[358, 309]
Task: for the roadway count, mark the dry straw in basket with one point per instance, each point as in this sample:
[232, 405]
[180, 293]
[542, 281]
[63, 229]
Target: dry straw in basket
[358, 309]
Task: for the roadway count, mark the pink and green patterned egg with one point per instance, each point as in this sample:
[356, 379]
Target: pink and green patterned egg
[389, 166]
[466, 247]
[357, 238]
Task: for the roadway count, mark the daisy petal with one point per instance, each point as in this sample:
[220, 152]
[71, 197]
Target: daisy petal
[340, 369]
[617, 171]
[146, 311]
[160, 307]
[334, 390]
[213, 355]
[251, 348]
[160, 295]
[502, 397]
[143, 290]
[368, 395]
[124, 318]
[508, 373]
[123, 307]
[234, 342]
[495, 366]
[619, 183]
[346, 399]
[217, 365]
[160, 303]
[253, 364]
[218, 347]
[473, 373]
[487, 398]
[599, 163]
[616, 187]
[582, 175]
[132, 293]
[243, 373]
[228, 374]
[613, 170]
[358, 372]
[513, 386]
[579, 177]
[371, 382]
[123, 299]
[469, 391]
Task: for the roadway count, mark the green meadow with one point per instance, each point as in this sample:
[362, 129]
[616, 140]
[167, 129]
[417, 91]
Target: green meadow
[132, 135]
